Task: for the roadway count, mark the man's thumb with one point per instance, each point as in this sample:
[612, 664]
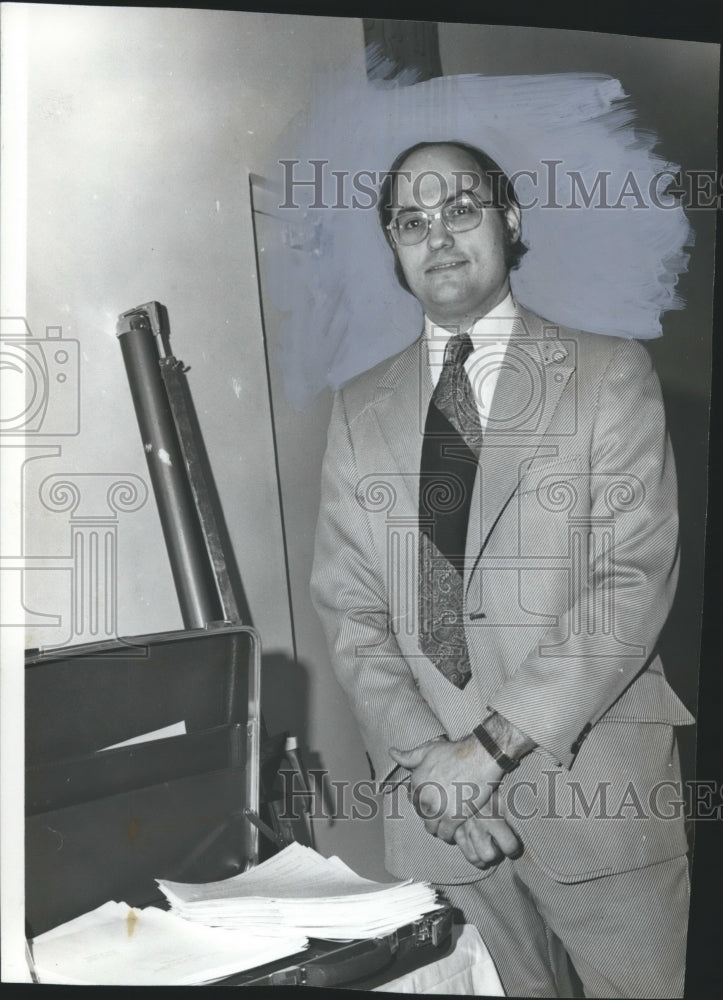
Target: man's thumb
[408, 758]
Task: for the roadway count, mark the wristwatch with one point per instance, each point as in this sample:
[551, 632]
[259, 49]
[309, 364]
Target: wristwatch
[506, 763]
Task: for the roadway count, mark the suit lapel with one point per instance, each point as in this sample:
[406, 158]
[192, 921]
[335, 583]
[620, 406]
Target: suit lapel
[403, 397]
[535, 371]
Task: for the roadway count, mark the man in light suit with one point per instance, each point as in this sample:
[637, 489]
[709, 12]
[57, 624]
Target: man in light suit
[516, 686]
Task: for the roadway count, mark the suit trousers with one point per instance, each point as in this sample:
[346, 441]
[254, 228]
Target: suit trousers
[625, 934]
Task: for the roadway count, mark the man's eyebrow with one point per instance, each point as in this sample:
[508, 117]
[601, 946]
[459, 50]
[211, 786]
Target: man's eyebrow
[452, 197]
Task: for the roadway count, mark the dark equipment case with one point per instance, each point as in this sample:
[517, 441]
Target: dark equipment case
[105, 823]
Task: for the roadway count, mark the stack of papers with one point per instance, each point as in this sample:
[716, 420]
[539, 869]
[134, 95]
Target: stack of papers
[116, 945]
[300, 891]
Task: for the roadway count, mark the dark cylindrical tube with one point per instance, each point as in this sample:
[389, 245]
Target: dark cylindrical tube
[192, 572]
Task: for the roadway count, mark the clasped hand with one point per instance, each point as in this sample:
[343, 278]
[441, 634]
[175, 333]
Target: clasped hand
[452, 789]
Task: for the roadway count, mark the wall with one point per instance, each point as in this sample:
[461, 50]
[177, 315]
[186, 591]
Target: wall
[144, 125]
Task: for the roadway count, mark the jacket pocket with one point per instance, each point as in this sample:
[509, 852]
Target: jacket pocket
[620, 807]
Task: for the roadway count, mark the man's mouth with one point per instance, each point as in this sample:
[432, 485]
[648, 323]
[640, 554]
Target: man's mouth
[447, 265]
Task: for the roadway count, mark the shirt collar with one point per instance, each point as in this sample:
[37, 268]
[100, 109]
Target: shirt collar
[495, 326]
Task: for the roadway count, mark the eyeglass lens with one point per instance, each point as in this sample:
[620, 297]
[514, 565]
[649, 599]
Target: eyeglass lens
[458, 216]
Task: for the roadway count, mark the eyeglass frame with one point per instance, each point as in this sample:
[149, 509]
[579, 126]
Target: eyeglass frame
[433, 216]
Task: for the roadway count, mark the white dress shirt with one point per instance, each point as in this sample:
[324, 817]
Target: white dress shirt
[490, 336]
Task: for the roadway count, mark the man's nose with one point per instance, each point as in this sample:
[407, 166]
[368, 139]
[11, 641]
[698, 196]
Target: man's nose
[439, 236]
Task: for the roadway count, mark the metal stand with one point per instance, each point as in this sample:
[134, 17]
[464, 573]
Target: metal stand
[162, 404]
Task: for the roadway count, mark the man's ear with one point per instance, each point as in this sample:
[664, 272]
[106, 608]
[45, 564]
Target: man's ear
[513, 222]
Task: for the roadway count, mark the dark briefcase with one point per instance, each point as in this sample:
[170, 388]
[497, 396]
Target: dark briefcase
[105, 821]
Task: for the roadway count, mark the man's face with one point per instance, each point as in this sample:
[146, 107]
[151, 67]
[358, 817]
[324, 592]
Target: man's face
[457, 277]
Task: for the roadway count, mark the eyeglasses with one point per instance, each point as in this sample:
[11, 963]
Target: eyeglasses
[459, 215]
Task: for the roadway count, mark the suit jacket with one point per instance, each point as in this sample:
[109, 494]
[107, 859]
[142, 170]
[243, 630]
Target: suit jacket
[570, 571]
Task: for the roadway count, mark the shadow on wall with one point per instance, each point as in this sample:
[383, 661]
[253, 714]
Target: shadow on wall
[285, 696]
[285, 701]
[687, 416]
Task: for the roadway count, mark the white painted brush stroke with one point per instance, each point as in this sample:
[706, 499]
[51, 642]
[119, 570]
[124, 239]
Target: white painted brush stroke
[609, 271]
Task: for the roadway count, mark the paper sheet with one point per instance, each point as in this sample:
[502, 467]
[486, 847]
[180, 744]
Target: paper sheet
[175, 729]
[117, 945]
[301, 890]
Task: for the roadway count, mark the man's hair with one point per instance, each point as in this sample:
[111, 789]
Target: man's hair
[502, 196]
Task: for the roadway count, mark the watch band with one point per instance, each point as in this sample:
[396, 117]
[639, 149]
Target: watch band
[506, 763]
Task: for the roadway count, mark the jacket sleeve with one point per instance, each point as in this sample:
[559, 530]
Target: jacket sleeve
[629, 567]
[350, 595]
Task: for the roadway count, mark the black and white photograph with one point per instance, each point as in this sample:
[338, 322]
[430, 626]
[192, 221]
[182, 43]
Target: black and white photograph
[358, 472]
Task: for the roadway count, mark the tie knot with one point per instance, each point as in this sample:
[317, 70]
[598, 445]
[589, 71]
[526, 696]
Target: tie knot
[459, 347]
